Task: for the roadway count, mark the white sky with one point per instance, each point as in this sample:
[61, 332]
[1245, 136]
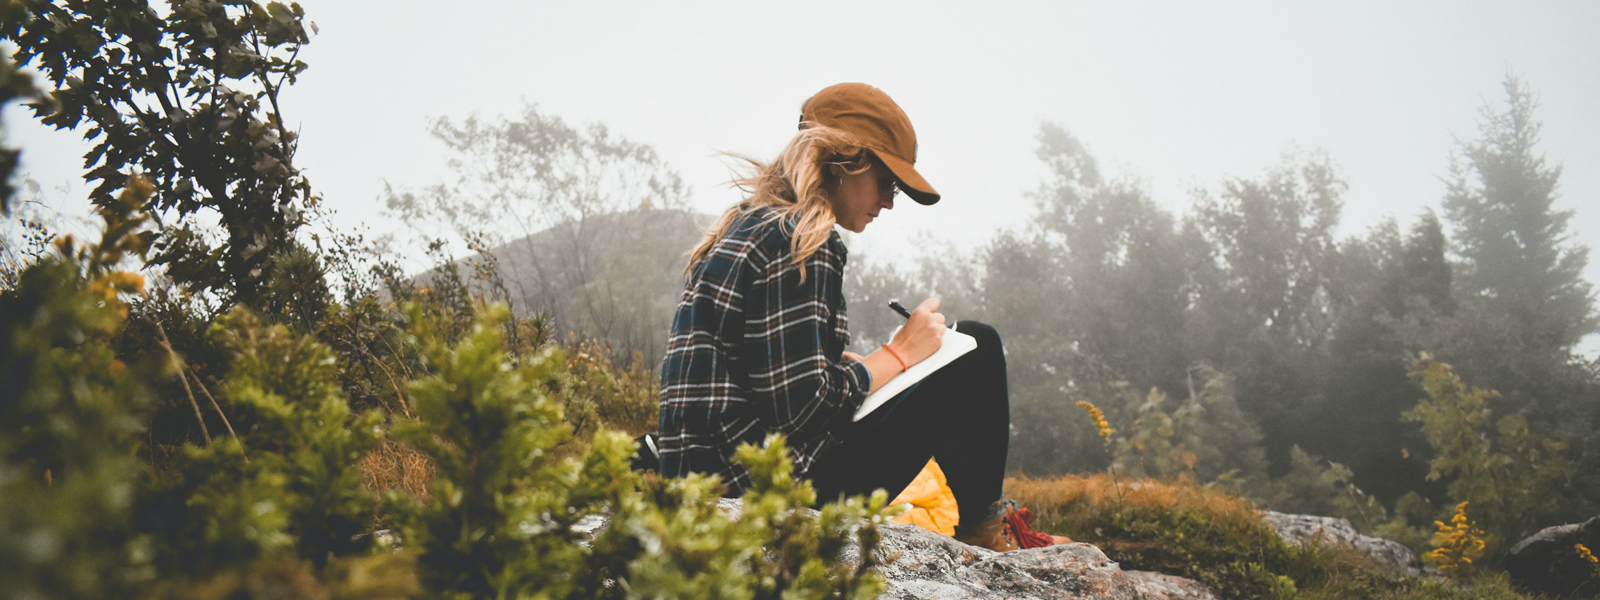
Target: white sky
[1175, 94]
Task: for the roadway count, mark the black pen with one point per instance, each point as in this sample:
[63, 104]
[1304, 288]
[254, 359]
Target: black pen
[895, 304]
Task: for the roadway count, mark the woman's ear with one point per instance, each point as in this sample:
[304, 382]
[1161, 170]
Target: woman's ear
[833, 175]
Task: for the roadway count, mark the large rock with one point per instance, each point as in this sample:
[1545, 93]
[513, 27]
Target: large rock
[1547, 562]
[1392, 557]
[922, 564]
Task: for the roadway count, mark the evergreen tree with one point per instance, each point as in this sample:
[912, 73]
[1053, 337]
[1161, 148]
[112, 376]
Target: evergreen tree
[1424, 273]
[1516, 253]
[1524, 303]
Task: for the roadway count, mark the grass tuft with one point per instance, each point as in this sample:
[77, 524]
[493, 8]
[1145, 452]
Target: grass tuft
[1203, 533]
[395, 466]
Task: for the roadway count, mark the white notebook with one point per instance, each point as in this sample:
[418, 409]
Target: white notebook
[952, 345]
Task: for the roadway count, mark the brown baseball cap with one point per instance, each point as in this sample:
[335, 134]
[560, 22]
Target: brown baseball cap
[885, 130]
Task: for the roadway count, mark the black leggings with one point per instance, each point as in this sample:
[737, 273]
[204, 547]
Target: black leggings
[960, 416]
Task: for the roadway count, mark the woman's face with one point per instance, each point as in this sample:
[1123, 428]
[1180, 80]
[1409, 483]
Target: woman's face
[861, 195]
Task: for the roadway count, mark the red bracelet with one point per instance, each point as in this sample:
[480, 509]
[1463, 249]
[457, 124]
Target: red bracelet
[897, 358]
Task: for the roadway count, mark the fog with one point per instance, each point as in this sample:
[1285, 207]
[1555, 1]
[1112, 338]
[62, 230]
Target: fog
[1300, 254]
[1176, 96]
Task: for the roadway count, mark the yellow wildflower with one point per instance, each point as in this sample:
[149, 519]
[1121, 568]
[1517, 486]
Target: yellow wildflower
[1585, 554]
[1456, 544]
[1099, 420]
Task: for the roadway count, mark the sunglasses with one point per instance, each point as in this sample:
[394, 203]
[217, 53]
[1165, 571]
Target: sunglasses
[887, 185]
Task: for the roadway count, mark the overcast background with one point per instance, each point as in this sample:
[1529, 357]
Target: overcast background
[1176, 95]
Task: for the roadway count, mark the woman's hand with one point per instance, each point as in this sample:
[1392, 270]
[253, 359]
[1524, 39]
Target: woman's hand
[922, 333]
[916, 341]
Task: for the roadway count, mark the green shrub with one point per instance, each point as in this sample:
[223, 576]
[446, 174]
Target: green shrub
[1510, 473]
[70, 416]
[601, 393]
[500, 521]
[1311, 488]
[1338, 572]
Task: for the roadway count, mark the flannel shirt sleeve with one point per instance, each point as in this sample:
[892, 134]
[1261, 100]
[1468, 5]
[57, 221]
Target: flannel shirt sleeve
[793, 344]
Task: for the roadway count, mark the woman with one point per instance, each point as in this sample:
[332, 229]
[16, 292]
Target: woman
[757, 344]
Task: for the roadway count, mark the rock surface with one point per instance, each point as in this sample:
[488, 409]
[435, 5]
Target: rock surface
[1547, 562]
[925, 565]
[928, 565]
[1391, 556]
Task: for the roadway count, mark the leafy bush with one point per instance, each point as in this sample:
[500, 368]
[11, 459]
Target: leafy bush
[1311, 488]
[1509, 474]
[70, 418]
[502, 518]
[277, 506]
[600, 392]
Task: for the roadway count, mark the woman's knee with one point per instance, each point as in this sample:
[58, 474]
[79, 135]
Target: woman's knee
[988, 338]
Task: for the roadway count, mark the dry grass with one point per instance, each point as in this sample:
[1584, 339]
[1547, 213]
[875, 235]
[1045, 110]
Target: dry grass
[1174, 527]
[396, 466]
[1085, 495]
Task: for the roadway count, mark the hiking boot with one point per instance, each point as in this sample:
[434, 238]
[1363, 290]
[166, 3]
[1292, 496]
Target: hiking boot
[994, 534]
[1006, 529]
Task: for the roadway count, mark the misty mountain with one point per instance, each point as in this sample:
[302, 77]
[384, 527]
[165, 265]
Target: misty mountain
[614, 277]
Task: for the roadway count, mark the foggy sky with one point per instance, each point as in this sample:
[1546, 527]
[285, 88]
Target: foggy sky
[1174, 95]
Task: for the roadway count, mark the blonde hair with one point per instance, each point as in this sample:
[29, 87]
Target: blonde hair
[798, 184]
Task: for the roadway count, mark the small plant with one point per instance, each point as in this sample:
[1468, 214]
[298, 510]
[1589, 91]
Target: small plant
[1099, 419]
[1104, 429]
[1588, 557]
[1321, 487]
[1456, 544]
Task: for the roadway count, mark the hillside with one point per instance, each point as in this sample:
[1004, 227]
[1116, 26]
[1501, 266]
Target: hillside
[614, 277]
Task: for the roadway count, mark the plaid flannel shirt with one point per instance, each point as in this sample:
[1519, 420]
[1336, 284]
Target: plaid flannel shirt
[754, 350]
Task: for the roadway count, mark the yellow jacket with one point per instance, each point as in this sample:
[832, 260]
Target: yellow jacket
[933, 505]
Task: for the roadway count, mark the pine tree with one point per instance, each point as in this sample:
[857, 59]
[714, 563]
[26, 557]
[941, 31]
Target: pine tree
[1515, 250]
[1524, 303]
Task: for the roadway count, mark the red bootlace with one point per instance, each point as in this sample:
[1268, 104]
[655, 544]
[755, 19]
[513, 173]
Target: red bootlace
[1019, 520]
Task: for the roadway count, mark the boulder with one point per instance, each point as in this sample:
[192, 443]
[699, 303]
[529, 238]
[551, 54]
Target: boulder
[1548, 563]
[922, 564]
[1392, 557]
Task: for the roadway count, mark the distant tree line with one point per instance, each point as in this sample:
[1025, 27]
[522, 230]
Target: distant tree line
[1287, 348]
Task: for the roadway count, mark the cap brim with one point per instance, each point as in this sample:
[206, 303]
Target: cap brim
[911, 182]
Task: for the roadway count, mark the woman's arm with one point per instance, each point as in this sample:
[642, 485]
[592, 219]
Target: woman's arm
[790, 325]
[915, 342]
[883, 367]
